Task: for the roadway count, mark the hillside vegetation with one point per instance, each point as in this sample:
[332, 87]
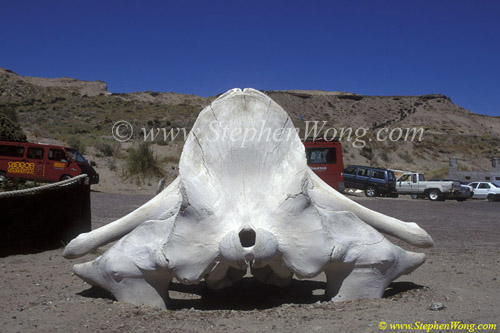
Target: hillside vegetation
[10, 129]
[82, 113]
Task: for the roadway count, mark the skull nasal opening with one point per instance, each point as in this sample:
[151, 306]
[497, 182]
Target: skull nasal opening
[247, 237]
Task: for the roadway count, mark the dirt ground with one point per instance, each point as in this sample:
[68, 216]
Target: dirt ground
[41, 294]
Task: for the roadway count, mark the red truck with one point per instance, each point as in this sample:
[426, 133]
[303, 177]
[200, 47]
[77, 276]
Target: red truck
[42, 162]
[324, 157]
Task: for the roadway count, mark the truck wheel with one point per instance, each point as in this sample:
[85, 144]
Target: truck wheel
[414, 196]
[434, 195]
[371, 191]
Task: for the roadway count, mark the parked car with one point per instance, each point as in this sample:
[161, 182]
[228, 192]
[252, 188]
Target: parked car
[486, 190]
[42, 162]
[324, 157]
[415, 184]
[373, 181]
[466, 191]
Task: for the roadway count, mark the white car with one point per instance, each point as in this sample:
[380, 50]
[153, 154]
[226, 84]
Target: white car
[486, 190]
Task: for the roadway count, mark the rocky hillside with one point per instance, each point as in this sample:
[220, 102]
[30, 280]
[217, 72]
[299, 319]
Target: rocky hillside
[450, 130]
[81, 113]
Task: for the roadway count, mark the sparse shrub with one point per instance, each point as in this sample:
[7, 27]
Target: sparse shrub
[162, 143]
[405, 156]
[438, 173]
[10, 130]
[463, 167]
[171, 159]
[93, 163]
[384, 156]
[367, 152]
[111, 165]
[105, 148]
[142, 164]
[77, 143]
[153, 93]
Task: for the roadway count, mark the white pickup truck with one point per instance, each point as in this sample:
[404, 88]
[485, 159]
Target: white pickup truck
[416, 185]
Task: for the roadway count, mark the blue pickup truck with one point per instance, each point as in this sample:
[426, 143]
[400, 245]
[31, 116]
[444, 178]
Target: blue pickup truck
[373, 181]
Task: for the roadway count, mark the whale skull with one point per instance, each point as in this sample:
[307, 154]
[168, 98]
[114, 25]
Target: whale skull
[245, 198]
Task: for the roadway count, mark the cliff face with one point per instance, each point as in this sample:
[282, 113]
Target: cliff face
[435, 112]
[64, 108]
[89, 88]
[13, 84]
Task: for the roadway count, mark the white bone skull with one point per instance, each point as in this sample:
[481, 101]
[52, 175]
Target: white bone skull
[245, 198]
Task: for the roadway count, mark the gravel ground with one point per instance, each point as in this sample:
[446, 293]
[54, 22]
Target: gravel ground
[40, 294]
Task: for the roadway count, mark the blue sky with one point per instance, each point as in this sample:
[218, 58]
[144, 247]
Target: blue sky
[207, 47]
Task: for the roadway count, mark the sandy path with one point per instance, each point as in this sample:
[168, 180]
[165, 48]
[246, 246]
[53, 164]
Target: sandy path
[40, 294]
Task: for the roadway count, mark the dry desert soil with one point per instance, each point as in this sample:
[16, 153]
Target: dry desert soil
[39, 292]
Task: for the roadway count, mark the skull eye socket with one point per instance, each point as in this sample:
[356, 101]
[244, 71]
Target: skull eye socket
[247, 237]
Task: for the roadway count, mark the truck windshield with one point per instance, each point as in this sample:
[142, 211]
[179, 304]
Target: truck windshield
[76, 156]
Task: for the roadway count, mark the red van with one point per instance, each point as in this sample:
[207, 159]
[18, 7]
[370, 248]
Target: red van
[43, 162]
[324, 157]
